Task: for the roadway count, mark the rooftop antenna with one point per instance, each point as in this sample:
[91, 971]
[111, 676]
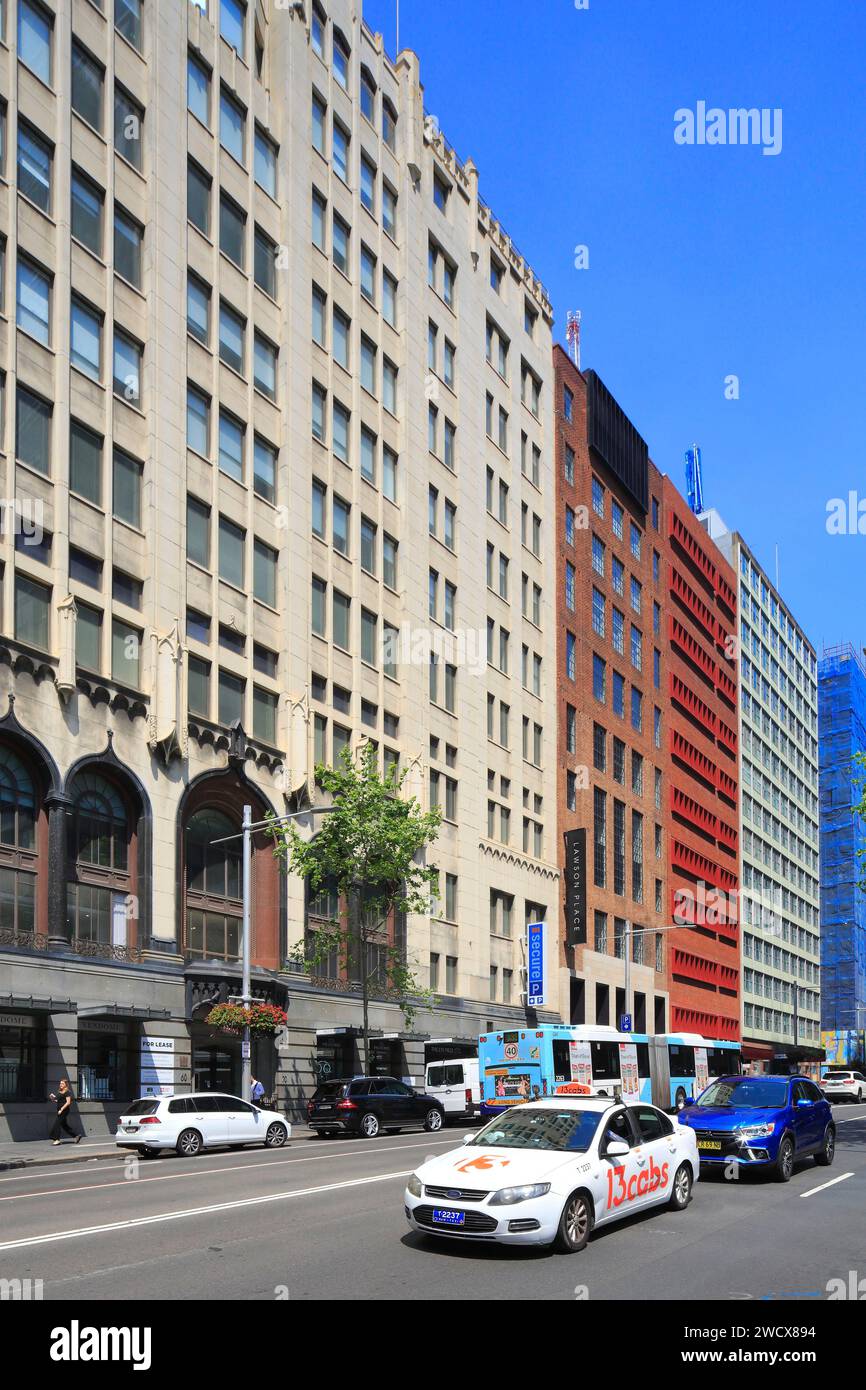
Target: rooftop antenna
[694, 480]
[572, 335]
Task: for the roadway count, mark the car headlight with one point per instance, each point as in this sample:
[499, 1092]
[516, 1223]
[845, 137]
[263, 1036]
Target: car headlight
[754, 1131]
[507, 1196]
[414, 1186]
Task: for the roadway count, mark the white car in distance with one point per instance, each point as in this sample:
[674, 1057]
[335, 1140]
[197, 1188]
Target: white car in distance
[203, 1120]
[548, 1172]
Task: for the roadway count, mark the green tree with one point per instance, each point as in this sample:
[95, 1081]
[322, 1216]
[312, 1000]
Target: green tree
[371, 850]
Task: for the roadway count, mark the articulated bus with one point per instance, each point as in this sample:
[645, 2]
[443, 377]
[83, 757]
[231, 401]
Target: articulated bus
[521, 1064]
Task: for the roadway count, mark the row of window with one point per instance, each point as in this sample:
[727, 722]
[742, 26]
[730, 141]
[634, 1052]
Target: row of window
[379, 201]
[232, 124]
[232, 552]
[341, 59]
[369, 549]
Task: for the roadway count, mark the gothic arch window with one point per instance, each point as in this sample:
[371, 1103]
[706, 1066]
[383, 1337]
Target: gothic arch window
[214, 907]
[19, 857]
[101, 850]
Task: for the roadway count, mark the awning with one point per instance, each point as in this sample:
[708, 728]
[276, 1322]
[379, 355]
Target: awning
[462, 1042]
[351, 1031]
[30, 1004]
[131, 1011]
[405, 1037]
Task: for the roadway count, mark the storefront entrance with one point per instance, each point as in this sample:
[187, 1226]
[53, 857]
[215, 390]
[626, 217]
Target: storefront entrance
[216, 1069]
[22, 1058]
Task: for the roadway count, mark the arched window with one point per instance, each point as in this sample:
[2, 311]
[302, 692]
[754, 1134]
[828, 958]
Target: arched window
[368, 95]
[389, 124]
[213, 887]
[100, 899]
[18, 871]
[342, 57]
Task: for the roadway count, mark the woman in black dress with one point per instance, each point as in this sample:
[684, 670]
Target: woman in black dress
[65, 1101]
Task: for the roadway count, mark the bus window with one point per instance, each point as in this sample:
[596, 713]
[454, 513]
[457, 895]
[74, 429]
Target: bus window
[561, 1060]
[643, 1062]
[682, 1059]
[605, 1061]
[723, 1061]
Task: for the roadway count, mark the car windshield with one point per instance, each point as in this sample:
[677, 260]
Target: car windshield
[838, 1075]
[565, 1131]
[746, 1093]
[330, 1090]
[142, 1107]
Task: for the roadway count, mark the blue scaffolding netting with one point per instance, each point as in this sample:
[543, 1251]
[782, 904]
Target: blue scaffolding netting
[841, 735]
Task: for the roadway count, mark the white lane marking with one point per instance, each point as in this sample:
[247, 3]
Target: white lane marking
[824, 1185]
[204, 1172]
[852, 1119]
[197, 1211]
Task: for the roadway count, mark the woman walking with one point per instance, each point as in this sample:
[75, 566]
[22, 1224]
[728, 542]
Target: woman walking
[65, 1101]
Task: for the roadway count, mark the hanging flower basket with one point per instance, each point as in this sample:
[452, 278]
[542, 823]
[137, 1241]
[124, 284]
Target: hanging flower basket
[263, 1020]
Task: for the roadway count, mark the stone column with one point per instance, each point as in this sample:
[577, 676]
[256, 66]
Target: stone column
[57, 805]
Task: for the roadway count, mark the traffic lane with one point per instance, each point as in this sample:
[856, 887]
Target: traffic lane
[176, 1185]
[741, 1238]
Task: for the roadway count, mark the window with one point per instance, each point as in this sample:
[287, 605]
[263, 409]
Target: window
[264, 470]
[126, 589]
[389, 474]
[265, 366]
[340, 526]
[198, 686]
[618, 695]
[198, 186]
[265, 263]
[389, 299]
[599, 748]
[264, 715]
[441, 191]
[389, 561]
[85, 462]
[265, 162]
[319, 216]
[86, 213]
[233, 14]
[198, 310]
[369, 635]
[340, 151]
[87, 80]
[342, 53]
[232, 126]
[231, 446]
[125, 653]
[33, 430]
[35, 157]
[635, 538]
[340, 617]
[128, 121]
[32, 612]
[389, 214]
[319, 408]
[230, 698]
[34, 39]
[616, 513]
[231, 552]
[128, 237]
[320, 123]
[368, 185]
[88, 636]
[127, 368]
[265, 573]
[368, 545]
[340, 337]
[198, 89]
[368, 365]
[198, 421]
[33, 301]
[599, 838]
[85, 339]
[233, 227]
[368, 96]
[636, 709]
[598, 678]
[126, 488]
[317, 30]
[341, 244]
[389, 386]
[368, 275]
[198, 532]
[369, 444]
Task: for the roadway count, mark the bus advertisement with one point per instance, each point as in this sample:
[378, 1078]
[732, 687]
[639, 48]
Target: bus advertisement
[521, 1064]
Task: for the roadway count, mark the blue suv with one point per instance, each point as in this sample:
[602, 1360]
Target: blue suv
[762, 1121]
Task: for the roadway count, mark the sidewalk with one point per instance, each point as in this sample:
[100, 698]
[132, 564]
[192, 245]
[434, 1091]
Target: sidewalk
[37, 1153]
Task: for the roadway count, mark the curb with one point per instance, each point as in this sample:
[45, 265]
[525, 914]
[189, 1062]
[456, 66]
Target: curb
[80, 1155]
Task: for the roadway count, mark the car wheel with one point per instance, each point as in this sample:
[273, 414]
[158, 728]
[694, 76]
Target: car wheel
[369, 1125]
[575, 1224]
[827, 1152]
[148, 1153]
[681, 1194]
[785, 1160]
[276, 1136]
[189, 1144]
[433, 1121]
[680, 1099]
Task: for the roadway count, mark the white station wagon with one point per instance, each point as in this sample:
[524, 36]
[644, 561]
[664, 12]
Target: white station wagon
[549, 1171]
[204, 1120]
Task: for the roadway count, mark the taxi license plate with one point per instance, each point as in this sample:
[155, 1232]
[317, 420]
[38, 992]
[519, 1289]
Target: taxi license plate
[130, 1129]
[709, 1144]
[449, 1218]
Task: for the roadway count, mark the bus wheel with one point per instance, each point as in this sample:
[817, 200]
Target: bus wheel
[680, 1099]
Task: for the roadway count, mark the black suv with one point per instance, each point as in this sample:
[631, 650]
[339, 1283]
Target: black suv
[366, 1105]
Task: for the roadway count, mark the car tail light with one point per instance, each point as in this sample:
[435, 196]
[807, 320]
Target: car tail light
[151, 1120]
[346, 1105]
[468, 1095]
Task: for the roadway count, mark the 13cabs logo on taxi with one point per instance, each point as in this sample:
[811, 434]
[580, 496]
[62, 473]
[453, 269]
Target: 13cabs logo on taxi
[620, 1189]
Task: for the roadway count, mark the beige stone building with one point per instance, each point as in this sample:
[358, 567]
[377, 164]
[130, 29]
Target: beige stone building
[277, 446]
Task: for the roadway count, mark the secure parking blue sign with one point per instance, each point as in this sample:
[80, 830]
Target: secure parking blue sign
[625, 1023]
[535, 964]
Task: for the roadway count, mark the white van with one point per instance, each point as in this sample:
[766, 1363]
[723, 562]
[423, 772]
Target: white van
[455, 1083]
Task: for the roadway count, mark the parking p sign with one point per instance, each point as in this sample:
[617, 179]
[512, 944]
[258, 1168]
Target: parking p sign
[535, 964]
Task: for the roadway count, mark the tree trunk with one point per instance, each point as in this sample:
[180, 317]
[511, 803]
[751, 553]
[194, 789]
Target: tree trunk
[356, 932]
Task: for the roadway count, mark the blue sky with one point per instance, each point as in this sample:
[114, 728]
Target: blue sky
[704, 261]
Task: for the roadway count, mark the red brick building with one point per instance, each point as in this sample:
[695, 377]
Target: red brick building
[700, 714]
[610, 689]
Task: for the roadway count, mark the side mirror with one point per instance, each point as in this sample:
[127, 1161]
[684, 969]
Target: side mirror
[802, 1101]
[467, 1138]
[617, 1148]
[689, 1100]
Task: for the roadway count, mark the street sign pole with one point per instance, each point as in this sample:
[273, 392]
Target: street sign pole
[246, 1059]
[627, 947]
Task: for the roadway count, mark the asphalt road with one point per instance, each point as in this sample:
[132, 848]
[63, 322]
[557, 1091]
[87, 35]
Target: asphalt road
[323, 1219]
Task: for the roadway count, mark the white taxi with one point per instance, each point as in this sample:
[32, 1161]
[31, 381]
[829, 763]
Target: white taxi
[549, 1171]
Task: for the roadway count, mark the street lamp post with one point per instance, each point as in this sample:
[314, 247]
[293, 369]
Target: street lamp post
[248, 829]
